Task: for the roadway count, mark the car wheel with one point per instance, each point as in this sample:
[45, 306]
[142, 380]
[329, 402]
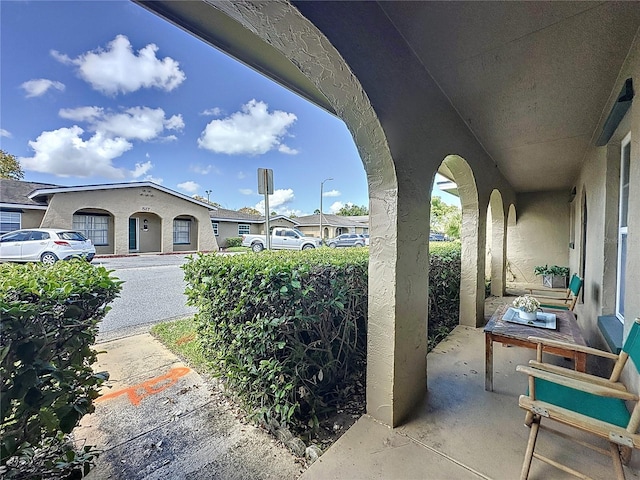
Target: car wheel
[359, 245]
[307, 247]
[257, 247]
[333, 245]
[48, 258]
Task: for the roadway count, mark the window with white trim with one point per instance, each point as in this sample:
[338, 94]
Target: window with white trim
[625, 163]
[244, 229]
[215, 228]
[94, 227]
[181, 232]
[10, 221]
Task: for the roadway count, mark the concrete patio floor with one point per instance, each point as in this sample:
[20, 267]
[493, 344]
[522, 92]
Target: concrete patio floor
[460, 431]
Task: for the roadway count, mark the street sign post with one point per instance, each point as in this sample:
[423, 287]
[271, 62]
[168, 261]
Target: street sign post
[265, 186]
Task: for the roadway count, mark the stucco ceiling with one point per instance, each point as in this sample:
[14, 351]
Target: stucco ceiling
[532, 80]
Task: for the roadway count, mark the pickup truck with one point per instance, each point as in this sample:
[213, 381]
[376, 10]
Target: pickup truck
[281, 239]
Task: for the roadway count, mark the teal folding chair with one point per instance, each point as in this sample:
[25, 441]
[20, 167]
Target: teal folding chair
[566, 301]
[586, 402]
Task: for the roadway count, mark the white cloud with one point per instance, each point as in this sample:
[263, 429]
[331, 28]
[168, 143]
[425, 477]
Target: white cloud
[331, 193]
[63, 152]
[40, 86]
[204, 170]
[336, 206]
[252, 131]
[246, 191]
[278, 201]
[139, 123]
[141, 169]
[151, 178]
[5, 133]
[287, 150]
[191, 187]
[118, 69]
[81, 114]
[212, 112]
[242, 175]
[135, 123]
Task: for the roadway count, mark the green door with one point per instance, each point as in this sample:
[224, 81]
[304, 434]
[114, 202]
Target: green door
[133, 231]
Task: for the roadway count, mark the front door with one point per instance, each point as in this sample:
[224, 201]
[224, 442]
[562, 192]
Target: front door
[133, 234]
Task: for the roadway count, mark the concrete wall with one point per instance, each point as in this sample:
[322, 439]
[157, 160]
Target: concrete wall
[158, 207]
[540, 235]
[597, 186]
[31, 218]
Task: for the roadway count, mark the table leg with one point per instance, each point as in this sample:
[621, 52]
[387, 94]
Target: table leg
[488, 362]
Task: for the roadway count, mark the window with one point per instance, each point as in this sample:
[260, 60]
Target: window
[181, 232]
[625, 163]
[94, 227]
[215, 228]
[244, 229]
[10, 221]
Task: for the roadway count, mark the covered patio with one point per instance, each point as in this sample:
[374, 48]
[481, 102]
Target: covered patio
[528, 107]
[460, 431]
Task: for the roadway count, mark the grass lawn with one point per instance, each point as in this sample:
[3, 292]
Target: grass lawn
[237, 249]
[181, 338]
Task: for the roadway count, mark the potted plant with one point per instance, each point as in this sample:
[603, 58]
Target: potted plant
[528, 307]
[553, 276]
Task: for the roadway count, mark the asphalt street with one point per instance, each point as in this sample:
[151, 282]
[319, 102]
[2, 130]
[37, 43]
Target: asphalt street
[153, 292]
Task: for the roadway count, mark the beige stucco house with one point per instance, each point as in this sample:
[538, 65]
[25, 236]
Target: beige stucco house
[332, 225]
[528, 105]
[120, 218]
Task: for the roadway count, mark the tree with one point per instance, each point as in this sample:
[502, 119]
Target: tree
[445, 218]
[249, 210]
[10, 167]
[316, 211]
[202, 199]
[350, 210]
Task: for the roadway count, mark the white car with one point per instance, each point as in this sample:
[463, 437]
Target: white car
[46, 245]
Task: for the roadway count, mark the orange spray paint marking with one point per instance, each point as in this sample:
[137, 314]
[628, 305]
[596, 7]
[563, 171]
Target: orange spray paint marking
[137, 392]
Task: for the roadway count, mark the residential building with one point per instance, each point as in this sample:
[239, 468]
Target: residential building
[120, 218]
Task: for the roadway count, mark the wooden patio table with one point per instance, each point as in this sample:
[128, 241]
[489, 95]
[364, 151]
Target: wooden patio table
[508, 333]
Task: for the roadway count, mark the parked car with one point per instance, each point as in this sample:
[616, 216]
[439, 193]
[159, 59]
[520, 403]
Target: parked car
[437, 237]
[347, 240]
[366, 239]
[281, 239]
[46, 245]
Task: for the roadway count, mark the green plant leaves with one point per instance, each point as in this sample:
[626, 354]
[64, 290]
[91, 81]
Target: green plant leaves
[49, 320]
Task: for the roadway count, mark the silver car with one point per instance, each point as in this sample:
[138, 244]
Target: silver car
[347, 240]
[46, 245]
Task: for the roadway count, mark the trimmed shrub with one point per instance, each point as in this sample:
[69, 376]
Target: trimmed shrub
[444, 290]
[49, 317]
[234, 242]
[286, 330]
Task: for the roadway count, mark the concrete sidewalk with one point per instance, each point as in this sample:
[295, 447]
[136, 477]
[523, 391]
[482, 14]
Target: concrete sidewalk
[159, 419]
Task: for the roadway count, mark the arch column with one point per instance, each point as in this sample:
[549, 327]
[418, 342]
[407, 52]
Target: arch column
[498, 245]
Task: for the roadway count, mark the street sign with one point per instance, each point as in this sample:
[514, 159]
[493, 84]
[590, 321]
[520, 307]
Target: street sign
[265, 181]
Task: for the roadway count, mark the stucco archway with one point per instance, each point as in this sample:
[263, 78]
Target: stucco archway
[96, 224]
[473, 243]
[145, 232]
[497, 241]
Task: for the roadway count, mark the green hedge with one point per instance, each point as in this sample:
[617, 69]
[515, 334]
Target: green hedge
[234, 242]
[286, 330]
[444, 290]
[49, 321]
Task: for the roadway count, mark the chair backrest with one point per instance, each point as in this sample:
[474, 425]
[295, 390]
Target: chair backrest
[575, 284]
[632, 344]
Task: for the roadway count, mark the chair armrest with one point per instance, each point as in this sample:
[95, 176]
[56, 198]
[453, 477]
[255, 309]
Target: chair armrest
[573, 347]
[557, 299]
[599, 390]
[555, 291]
[580, 376]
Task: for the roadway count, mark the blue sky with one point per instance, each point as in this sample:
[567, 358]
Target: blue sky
[104, 92]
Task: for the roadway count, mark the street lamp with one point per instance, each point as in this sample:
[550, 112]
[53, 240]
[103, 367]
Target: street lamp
[321, 186]
[208, 192]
